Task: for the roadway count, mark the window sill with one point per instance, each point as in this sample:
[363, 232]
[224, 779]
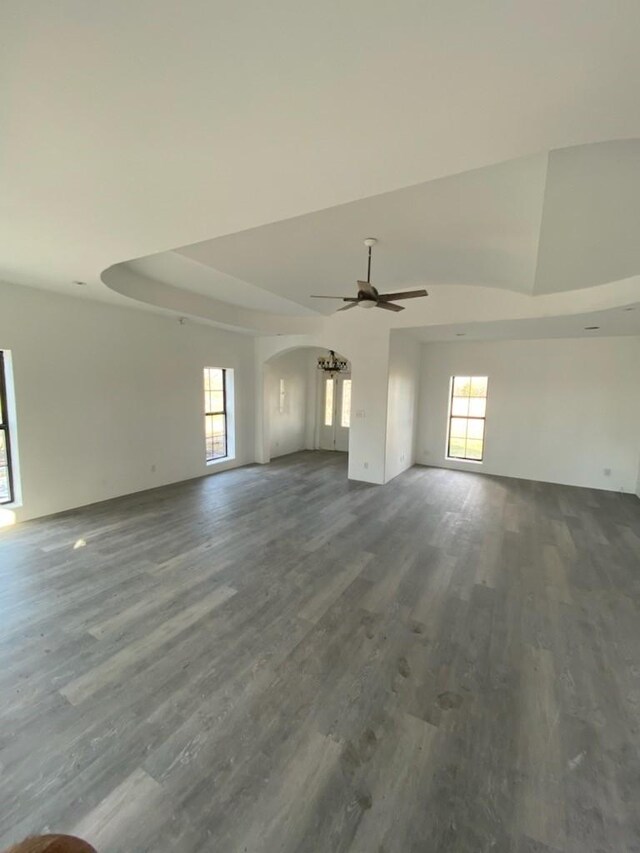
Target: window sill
[221, 460]
[464, 461]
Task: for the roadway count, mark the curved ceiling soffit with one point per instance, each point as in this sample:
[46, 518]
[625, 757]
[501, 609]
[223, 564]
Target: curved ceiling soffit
[152, 292]
[586, 239]
[446, 304]
[472, 303]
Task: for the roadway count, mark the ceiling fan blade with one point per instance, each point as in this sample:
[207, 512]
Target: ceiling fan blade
[332, 297]
[389, 306]
[405, 294]
[353, 303]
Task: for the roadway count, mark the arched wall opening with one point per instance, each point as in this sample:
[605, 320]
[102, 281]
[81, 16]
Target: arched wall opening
[303, 407]
[367, 349]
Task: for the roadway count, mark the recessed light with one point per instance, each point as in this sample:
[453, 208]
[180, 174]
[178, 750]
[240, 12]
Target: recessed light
[80, 283]
[591, 328]
[460, 334]
[630, 308]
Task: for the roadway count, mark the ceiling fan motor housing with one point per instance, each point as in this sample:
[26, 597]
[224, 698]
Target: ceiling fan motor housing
[365, 301]
[367, 294]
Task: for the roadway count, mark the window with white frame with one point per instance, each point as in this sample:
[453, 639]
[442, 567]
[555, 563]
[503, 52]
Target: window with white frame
[467, 414]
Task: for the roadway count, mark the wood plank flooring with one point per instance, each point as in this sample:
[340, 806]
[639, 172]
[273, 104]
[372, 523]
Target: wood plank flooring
[274, 659]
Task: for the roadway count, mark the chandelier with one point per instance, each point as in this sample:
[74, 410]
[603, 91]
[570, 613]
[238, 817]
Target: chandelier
[332, 364]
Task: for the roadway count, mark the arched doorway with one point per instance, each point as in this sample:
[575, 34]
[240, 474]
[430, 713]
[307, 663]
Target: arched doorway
[305, 408]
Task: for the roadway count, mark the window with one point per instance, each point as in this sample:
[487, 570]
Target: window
[215, 413]
[328, 402]
[345, 418]
[6, 473]
[467, 413]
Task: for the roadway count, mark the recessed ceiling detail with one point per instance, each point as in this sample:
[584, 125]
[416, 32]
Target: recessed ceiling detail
[478, 228]
[544, 224]
[591, 217]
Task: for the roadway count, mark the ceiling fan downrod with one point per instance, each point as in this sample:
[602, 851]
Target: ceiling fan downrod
[369, 243]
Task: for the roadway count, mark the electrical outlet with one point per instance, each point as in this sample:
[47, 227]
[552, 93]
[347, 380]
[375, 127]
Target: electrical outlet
[153, 469]
[366, 464]
[607, 472]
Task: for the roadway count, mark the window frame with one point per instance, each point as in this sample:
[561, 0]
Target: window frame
[5, 427]
[225, 414]
[466, 417]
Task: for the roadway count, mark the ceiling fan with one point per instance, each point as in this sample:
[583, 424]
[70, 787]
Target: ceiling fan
[368, 296]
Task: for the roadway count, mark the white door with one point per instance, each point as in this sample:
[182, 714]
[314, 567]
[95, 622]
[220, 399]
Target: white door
[335, 413]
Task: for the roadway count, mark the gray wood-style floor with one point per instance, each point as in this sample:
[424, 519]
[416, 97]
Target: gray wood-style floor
[273, 659]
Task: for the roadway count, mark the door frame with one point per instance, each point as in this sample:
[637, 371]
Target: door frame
[337, 411]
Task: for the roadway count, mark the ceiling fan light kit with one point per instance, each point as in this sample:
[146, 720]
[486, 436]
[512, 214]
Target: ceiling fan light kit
[368, 296]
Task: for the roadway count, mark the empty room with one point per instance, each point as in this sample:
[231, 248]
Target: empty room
[320, 427]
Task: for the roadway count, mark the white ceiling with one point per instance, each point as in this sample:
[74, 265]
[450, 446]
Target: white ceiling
[480, 228]
[591, 217]
[486, 229]
[130, 129]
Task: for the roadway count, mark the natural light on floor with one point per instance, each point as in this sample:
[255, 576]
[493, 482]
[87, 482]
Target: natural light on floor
[7, 517]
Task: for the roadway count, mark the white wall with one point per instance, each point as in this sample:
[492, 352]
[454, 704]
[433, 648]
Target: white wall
[314, 390]
[288, 428]
[402, 403]
[558, 410]
[103, 394]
